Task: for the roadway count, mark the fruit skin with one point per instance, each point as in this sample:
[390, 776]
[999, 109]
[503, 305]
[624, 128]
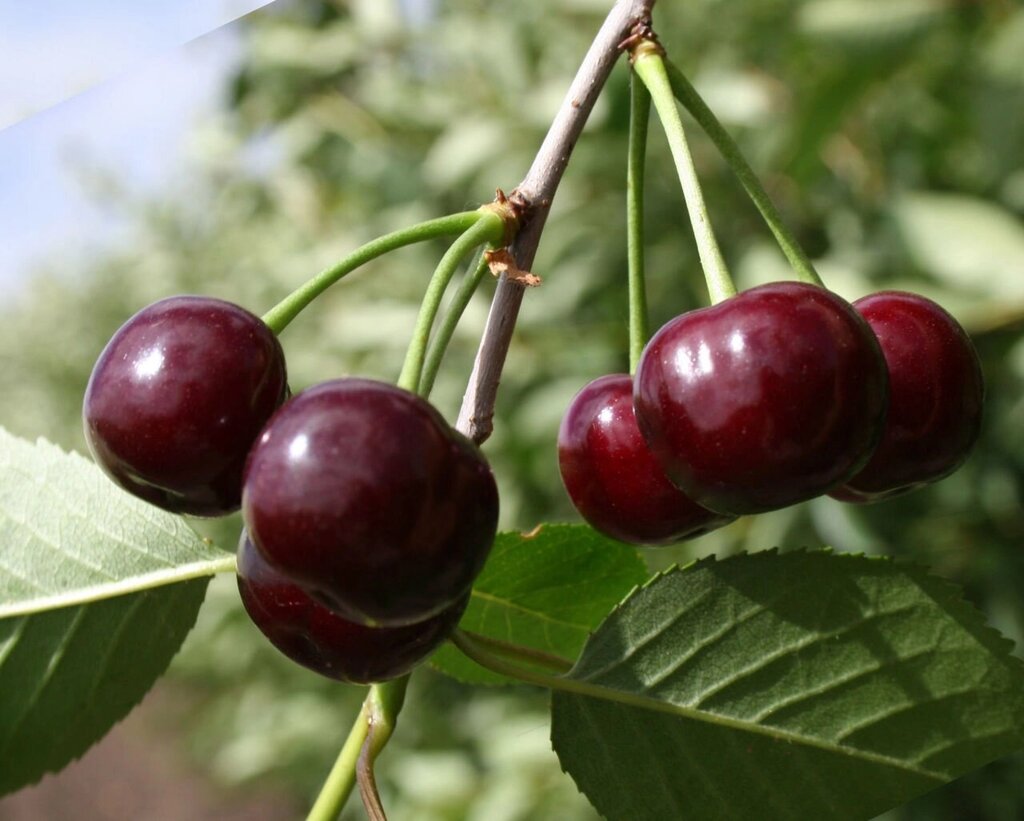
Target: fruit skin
[612, 477]
[936, 395]
[315, 637]
[769, 398]
[176, 399]
[362, 494]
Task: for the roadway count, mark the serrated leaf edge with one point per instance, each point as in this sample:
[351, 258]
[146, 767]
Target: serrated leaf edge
[959, 608]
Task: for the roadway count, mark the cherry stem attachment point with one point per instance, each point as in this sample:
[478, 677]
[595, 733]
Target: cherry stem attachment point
[693, 103]
[489, 228]
[639, 119]
[278, 317]
[650, 68]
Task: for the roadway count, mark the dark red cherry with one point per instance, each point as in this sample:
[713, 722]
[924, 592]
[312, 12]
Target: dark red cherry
[611, 476]
[317, 638]
[936, 393]
[177, 398]
[362, 494]
[769, 398]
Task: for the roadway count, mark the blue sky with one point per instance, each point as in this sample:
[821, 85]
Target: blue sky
[113, 84]
[117, 84]
[53, 49]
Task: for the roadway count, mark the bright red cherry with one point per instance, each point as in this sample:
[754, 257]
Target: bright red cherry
[936, 393]
[317, 638]
[769, 398]
[611, 476]
[362, 494]
[177, 398]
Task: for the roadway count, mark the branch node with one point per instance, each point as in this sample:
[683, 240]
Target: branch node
[509, 210]
[501, 262]
[642, 40]
[533, 199]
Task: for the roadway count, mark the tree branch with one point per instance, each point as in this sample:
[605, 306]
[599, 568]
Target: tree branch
[534, 195]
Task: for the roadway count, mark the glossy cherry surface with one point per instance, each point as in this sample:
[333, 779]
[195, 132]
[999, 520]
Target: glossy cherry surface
[612, 477]
[936, 393]
[317, 638]
[362, 494]
[177, 398]
[769, 398]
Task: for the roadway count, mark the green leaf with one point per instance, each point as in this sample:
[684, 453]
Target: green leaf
[966, 242]
[865, 22]
[794, 686]
[546, 590]
[67, 676]
[97, 593]
[69, 536]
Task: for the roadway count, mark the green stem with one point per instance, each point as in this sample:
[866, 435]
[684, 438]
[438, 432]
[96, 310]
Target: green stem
[517, 652]
[475, 651]
[692, 102]
[650, 67]
[384, 704]
[445, 331]
[489, 228]
[639, 118]
[342, 778]
[371, 729]
[278, 317]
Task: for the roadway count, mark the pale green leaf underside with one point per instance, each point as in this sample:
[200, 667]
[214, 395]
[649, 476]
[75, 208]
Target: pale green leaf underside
[69, 536]
[793, 686]
[547, 591]
[67, 676]
[97, 593]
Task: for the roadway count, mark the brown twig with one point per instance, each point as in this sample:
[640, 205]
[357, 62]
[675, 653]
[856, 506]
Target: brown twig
[534, 195]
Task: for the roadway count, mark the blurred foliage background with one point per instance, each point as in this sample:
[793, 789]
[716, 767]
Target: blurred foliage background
[890, 134]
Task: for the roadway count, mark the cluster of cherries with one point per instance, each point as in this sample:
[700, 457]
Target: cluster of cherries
[367, 516]
[777, 395]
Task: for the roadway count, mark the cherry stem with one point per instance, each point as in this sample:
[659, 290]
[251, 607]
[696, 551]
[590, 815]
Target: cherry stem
[692, 102]
[489, 228]
[443, 336]
[517, 652]
[370, 732]
[383, 706]
[650, 67]
[342, 778]
[473, 648]
[639, 119]
[278, 317]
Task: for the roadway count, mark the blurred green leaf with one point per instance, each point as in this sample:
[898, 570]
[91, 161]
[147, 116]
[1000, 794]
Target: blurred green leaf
[787, 686]
[866, 22]
[544, 590]
[968, 243]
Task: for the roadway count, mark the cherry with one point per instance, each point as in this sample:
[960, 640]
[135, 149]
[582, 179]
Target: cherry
[612, 477]
[769, 398]
[363, 495]
[936, 393]
[323, 641]
[177, 398]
